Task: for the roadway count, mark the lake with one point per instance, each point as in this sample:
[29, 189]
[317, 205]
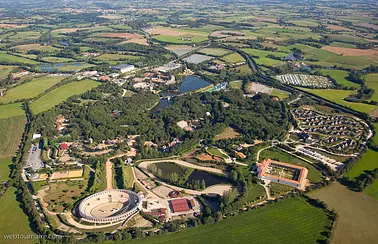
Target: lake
[192, 83]
[210, 179]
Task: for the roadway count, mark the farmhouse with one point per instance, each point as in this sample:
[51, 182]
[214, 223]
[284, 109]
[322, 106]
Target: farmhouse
[282, 173]
[123, 68]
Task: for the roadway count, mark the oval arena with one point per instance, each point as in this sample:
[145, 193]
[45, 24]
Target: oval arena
[109, 206]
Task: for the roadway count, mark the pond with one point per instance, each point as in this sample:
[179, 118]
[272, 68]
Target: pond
[167, 168]
[192, 83]
[210, 179]
[163, 103]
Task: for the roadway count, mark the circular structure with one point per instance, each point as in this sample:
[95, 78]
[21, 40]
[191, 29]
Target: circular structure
[110, 206]
[174, 194]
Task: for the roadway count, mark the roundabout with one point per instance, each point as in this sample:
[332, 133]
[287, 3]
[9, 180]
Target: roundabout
[109, 206]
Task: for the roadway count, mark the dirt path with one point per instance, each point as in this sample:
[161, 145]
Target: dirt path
[182, 163]
[109, 170]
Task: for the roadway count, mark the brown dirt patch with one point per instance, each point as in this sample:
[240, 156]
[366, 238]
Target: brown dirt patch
[13, 26]
[66, 30]
[227, 133]
[368, 25]
[374, 114]
[338, 28]
[208, 157]
[132, 38]
[373, 53]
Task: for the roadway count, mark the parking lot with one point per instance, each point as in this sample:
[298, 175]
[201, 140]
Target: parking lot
[33, 160]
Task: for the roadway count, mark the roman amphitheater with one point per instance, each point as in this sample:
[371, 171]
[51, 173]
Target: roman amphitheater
[109, 206]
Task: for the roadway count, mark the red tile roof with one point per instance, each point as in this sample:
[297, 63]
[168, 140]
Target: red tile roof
[180, 205]
[63, 146]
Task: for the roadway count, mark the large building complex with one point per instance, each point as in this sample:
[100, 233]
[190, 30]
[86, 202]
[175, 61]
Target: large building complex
[108, 207]
[283, 173]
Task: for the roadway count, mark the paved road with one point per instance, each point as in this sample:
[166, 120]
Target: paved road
[33, 160]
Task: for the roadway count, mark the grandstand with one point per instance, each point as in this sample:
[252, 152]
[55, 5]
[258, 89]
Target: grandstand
[109, 206]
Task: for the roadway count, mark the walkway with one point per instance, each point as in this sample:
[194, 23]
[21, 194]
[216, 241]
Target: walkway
[182, 163]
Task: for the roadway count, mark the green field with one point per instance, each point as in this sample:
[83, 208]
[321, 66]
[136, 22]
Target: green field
[358, 215]
[372, 190]
[61, 94]
[254, 192]
[30, 89]
[375, 138]
[5, 162]
[233, 58]
[263, 59]
[339, 76]
[372, 82]
[280, 94]
[342, 44]
[5, 71]
[214, 51]
[115, 57]
[12, 219]
[367, 162]
[289, 221]
[216, 152]
[11, 110]
[14, 59]
[180, 39]
[337, 96]
[314, 175]
[57, 59]
[11, 130]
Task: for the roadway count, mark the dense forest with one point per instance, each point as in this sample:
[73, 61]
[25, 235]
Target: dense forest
[103, 114]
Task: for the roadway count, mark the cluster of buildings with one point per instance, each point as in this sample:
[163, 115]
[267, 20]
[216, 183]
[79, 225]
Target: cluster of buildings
[328, 130]
[282, 173]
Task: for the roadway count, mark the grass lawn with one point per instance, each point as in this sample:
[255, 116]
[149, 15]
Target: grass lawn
[115, 57]
[233, 58]
[61, 94]
[30, 89]
[214, 51]
[314, 175]
[367, 162]
[11, 130]
[25, 48]
[254, 192]
[375, 138]
[279, 189]
[57, 59]
[5, 162]
[128, 177]
[302, 223]
[14, 59]
[62, 195]
[280, 94]
[215, 151]
[12, 219]
[236, 84]
[339, 76]
[11, 110]
[180, 39]
[5, 71]
[342, 44]
[372, 82]
[358, 215]
[338, 96]
[227, 133]
[372, 190]
[243, 70]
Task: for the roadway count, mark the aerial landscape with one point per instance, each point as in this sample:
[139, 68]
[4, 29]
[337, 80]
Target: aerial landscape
[219, 121]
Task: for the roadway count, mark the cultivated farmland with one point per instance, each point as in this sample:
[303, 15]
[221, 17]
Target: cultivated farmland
[11, 110]
[15, 59]
[30, 89]
[358, 215]
[61, 94]
[11, 130]
[12, 218]
[338, 96]
[303, 224]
